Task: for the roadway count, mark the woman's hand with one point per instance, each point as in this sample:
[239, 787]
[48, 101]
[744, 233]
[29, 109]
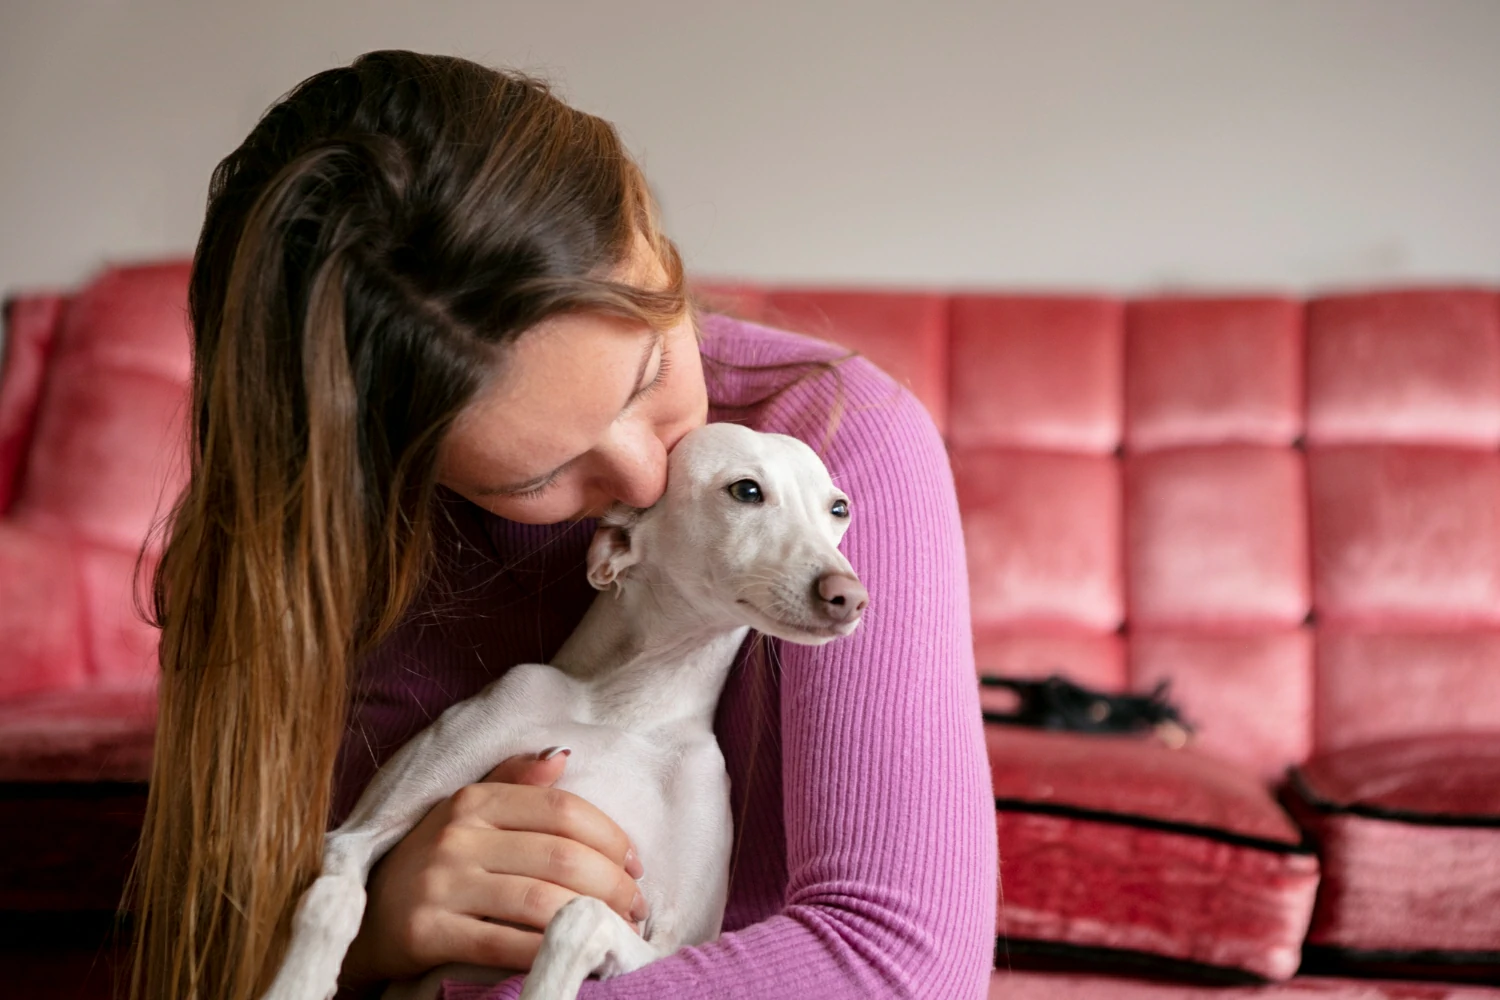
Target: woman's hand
[481, 875]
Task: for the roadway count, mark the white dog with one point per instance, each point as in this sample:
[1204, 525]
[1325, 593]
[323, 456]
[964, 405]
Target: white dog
[744, 538]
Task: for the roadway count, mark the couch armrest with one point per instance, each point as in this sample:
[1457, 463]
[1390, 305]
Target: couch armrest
[31, 323]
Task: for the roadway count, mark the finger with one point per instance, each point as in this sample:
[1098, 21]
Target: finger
[467, 939]
[520, 902]
[514, 900]
[530, 769]
[545, 810]
[531, 875]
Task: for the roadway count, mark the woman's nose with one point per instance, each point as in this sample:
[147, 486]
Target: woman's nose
[636, 468]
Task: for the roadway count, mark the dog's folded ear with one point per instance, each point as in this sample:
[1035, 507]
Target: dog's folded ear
[610, 554]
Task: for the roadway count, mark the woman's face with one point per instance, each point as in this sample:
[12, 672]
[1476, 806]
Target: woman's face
[581, 416]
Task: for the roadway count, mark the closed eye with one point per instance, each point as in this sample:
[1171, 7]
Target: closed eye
[662, 368]
[538, 489]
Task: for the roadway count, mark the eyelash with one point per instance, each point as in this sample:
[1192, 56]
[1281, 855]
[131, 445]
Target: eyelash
[536, 490]
[661, 376]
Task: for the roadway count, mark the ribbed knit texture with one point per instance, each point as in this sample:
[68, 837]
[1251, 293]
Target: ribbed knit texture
[866, 857]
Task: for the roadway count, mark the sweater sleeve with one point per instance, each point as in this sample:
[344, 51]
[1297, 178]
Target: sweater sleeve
[891, 850]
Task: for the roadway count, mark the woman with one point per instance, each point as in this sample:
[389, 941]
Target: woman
[437, 328]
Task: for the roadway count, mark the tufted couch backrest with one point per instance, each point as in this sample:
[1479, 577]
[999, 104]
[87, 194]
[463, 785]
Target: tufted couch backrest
[1290, 508]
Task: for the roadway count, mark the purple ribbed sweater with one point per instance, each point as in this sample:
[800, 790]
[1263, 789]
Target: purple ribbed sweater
[861, 793]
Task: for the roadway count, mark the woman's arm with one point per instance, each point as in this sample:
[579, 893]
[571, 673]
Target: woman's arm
[890, 837]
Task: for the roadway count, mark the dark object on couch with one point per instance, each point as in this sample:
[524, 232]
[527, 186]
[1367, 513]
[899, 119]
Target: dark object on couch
[1058, 703]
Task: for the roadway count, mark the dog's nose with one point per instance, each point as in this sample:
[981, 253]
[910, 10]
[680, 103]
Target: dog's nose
[842, 597]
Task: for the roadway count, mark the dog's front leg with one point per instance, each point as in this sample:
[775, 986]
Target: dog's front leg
[457, 750]
[584, 937]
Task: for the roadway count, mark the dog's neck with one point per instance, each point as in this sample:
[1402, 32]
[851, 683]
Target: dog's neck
[649, 654]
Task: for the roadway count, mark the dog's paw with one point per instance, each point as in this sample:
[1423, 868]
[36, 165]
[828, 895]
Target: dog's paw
[584, 938]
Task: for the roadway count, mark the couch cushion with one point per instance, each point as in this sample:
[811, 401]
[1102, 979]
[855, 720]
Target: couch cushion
[42, 633]
[1381, 684]
[121, 642]
[1037, 372]
[1042, 535]
[1118, 846]
[1405, 535]
[1215, 674]
[25, 346]
[1211, 371]
[1419, 366]
[1217, 536]
[904, 333]
[1093, 659]
[109, 447]
[1409, 834]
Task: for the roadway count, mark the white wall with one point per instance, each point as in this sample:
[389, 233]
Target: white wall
[1121, 144]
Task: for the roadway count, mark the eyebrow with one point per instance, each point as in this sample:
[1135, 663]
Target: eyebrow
[535, 481]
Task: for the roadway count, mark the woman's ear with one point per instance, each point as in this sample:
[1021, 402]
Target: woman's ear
[610, 555]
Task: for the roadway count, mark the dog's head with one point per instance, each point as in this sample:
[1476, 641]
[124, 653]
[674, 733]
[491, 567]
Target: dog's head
[747, 533]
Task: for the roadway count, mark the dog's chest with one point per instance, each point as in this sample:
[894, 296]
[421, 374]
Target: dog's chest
[664, 783]
[667, 788]
[648, 782]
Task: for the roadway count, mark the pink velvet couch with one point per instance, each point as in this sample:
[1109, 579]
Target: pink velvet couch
[1289, 507]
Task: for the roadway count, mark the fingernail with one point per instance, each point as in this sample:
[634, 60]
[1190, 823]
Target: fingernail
[638, 909]
[551, 752]
[633, 866]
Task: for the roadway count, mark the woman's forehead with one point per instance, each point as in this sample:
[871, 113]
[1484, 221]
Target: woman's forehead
[561, 386]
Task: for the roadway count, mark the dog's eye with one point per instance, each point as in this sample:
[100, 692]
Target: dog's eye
[840, 508]
[746, 491]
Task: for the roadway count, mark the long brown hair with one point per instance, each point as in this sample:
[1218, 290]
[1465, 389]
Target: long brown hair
[368, 252]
